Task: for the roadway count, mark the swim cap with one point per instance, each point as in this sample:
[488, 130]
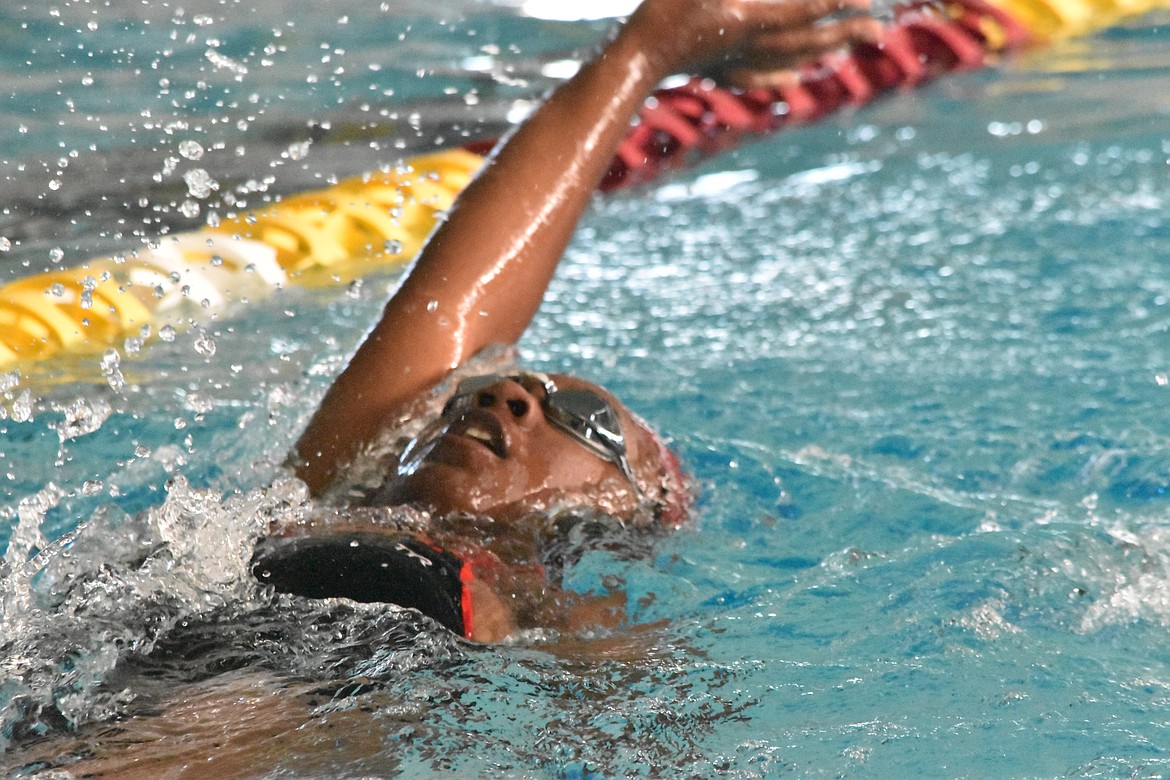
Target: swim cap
[400, 569]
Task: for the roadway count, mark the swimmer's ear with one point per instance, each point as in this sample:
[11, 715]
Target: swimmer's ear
[394, 569]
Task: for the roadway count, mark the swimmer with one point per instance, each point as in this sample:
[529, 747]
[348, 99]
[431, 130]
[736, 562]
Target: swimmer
[512, 446]
[512, 451]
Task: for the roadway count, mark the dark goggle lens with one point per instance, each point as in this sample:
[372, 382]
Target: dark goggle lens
[589, 416]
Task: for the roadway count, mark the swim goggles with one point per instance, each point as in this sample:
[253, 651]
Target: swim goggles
[585, 416]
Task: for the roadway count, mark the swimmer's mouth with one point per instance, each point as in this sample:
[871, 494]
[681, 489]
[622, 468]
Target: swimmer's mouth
[482, 428]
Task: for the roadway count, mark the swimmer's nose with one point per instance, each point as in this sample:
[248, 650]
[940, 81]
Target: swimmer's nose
[511, 395]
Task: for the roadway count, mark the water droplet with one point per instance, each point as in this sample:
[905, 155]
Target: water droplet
[57, 290]
[297, 151]
[110, 363]
[83, 417]
[55, 184]
[205, 344]
[56, 254]
[192, 150]
[22, 407]
[5, 244]
[199, 183]
[189, 208]
[167, 333]
[432, 305]
[355, 289]
[393, 247]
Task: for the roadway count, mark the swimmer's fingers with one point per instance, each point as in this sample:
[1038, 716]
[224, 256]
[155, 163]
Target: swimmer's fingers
[769, 59]
[811, 40]
[700, 33]
[745, 78]
[783, 15]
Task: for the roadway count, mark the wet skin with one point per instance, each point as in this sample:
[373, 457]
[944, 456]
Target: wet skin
[483, 273]
[501, 457]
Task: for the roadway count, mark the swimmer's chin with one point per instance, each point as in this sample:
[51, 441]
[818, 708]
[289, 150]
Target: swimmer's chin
[443, 487]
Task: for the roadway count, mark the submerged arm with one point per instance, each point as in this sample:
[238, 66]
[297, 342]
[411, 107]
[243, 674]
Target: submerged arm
[483, 273]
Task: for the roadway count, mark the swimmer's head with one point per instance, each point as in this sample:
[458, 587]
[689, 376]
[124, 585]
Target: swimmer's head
[510, 446]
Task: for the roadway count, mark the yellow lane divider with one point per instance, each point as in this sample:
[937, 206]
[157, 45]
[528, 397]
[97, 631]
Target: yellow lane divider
[1051, 19]
[378, 219]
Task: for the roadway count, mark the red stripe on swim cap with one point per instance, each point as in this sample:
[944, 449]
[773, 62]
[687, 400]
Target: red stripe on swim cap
[466, 575]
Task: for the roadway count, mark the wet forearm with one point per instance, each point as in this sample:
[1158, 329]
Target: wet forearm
[489, 264]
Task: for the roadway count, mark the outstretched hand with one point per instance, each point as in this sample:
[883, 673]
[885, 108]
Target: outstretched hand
[752, 42]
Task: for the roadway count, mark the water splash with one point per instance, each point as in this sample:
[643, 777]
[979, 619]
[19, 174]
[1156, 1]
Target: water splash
[82, 416]
[73, 609]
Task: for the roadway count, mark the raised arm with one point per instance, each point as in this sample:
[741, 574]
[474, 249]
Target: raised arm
[483, 273]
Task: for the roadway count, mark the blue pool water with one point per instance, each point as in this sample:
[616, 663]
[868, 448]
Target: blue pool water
[915, 357]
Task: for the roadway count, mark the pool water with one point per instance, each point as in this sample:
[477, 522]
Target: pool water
[915, 357]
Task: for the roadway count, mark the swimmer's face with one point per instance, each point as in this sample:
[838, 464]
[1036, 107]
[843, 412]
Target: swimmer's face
[500, 456]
